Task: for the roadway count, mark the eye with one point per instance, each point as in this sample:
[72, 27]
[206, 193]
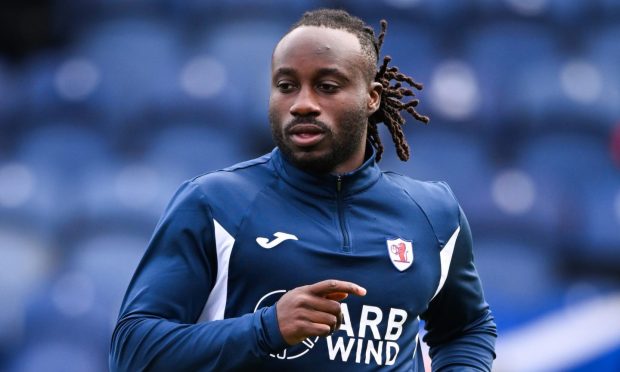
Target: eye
[285, 86]
[328, 87]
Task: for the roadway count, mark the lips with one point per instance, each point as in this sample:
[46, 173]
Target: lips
[306, 135]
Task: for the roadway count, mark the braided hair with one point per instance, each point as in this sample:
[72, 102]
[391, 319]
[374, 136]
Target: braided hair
[390, 78]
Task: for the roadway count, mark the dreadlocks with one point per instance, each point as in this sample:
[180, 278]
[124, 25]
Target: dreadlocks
[389, 77]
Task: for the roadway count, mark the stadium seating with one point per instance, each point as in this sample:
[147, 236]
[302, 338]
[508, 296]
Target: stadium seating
[99, 129]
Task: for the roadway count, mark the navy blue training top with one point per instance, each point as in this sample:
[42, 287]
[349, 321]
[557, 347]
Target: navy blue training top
[231, 242]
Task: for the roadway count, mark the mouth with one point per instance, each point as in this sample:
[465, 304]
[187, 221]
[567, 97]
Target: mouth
[306, 135]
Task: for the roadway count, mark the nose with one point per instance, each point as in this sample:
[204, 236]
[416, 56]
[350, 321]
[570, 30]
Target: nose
[305, 104]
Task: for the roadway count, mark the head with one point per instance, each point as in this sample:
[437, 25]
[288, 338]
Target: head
[327, 95]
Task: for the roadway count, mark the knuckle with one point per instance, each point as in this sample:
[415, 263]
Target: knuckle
[299, 314]
[334, 307]
[303, 288]
[307, 330]
[322, 329]
[300, 300]
[295, 301]
[333, 320]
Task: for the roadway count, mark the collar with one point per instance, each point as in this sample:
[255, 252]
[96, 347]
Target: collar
[329, 185]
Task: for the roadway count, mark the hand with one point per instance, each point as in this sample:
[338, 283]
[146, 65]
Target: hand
[313, 310]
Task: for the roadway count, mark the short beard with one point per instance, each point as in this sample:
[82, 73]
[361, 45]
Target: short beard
[344, 145]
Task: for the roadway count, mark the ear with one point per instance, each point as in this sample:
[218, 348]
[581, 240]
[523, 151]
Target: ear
[375, 90]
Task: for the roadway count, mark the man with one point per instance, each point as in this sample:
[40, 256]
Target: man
[310, 257]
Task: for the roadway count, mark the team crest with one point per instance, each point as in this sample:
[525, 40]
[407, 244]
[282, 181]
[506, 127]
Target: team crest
[400, 252]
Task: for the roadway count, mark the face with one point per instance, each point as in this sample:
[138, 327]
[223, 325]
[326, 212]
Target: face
[321, 99]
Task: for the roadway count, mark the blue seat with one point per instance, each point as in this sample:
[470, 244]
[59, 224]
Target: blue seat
[139, 62]
[562, 167]
[568, 161]
[519, 277]
[61, 157]
[502, 55]
[602, 46]
[213, 11]
[26, 261]
[64, 320]
[76, 304]
[10, 94]
[446, 10]
[569, 12]
[534, 93]
[460, 159]
[413, 49]
[603, 50]
[599, 217]
[109, 259]
[38, 85]
[126, 191]
[57, 356]
[609, 6]
[244, 48]
[185, 151]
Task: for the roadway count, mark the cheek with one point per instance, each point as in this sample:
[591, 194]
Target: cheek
[274, 117]
[278, 106]
[354, 104]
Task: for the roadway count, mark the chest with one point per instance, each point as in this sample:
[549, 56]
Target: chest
[388, 248]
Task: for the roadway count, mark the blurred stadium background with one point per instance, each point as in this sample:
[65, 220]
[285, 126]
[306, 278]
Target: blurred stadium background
[107, 105]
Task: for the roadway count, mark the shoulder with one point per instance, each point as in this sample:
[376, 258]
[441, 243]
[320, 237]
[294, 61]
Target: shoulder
[435, 199]
[239, 178]
[226, 195]
[237, 182]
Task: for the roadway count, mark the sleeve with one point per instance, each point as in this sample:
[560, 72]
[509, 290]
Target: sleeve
[461, 331]
[157, 329]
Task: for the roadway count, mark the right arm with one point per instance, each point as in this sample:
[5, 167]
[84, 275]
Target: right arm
[157, 327]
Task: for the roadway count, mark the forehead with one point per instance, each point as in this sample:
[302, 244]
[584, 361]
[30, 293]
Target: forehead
[311, 46]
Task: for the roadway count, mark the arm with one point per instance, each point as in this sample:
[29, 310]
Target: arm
[157, 327]
[460, 328]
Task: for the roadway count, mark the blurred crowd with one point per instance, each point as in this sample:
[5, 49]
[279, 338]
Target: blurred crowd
[107, 106]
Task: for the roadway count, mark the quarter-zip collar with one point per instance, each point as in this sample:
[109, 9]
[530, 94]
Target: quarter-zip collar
[352, 182]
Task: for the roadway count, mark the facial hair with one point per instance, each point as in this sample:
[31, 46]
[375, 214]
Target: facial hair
[343, 143]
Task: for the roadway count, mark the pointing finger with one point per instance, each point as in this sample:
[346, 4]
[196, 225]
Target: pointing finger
[337, 296]
[331, 286]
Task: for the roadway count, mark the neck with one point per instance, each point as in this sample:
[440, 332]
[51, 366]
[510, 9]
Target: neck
[355, 161]
[350, 165]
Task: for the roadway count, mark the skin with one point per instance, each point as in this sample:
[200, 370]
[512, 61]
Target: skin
[313, 310]
[320, 86]
[319, 106]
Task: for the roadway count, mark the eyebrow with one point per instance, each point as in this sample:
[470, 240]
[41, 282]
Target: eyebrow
[333, 71]
[321, 72]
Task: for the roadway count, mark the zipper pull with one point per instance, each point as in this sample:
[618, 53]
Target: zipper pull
[339, 184]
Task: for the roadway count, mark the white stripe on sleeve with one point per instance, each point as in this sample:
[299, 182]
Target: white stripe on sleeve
[216, 303]
[446, 257]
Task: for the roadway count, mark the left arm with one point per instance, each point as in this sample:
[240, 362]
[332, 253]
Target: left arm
[461, 331]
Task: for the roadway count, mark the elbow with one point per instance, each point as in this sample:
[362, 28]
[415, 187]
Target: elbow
[121, 358]
[114, 362]
[486, 324]
[114, 358]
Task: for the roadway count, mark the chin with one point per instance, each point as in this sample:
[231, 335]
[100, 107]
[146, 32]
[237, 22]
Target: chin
[312, 161]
